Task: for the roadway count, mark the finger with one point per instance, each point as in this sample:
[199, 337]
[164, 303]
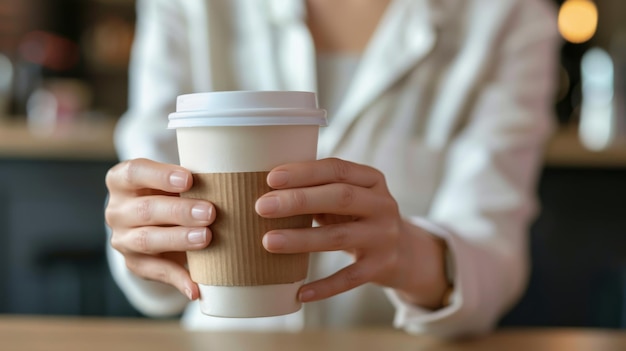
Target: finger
[336, 237]
[162, 210]
[337, 198]
[178, 257]
[348, 278]
[327, 218]
[156, 240]
[326, 171]
[136, 175]
[163, 270]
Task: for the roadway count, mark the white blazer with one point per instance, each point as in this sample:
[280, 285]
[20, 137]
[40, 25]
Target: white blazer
[452, 100]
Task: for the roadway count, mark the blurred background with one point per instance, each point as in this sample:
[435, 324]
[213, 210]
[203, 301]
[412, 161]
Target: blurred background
[63, 85]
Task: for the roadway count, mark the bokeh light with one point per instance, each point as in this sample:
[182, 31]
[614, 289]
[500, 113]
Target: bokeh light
[578, 20]
[49, 50]
[597, 126]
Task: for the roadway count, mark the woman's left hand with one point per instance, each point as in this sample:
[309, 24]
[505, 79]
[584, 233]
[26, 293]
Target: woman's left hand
[358, 215]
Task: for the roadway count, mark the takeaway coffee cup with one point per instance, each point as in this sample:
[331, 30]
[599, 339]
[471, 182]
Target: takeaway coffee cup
[230, 141]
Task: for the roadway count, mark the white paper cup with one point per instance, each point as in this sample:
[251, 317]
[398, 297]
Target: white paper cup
[229, 141]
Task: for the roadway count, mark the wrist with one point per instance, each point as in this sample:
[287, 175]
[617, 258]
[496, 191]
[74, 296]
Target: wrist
[427, 284]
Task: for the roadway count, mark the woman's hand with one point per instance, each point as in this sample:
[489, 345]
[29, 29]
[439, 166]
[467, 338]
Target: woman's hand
[152, 226]
[357, 214]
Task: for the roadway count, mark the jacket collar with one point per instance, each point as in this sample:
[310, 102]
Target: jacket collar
[295, 52]
[405, 35]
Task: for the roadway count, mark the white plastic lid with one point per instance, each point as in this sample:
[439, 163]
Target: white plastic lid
[247, 108]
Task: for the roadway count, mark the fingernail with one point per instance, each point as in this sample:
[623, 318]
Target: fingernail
[197, 236]
[277, 178]
[188, 293]
[201, 212]
[274, 241]
[178, 179]
[307, 295]
[267, 205]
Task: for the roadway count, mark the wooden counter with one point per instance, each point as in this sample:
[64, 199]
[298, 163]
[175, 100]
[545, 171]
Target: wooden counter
[91, 140]
[67, 334]
[566, 150]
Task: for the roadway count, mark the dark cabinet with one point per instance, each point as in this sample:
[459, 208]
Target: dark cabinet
[578, 247]
[52, 239]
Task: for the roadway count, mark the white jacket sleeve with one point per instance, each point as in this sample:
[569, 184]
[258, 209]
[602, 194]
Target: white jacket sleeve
[158, 73]
[156, 78]
[487, 197]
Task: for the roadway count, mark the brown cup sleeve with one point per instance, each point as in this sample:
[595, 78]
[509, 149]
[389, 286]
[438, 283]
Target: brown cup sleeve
[236, 256]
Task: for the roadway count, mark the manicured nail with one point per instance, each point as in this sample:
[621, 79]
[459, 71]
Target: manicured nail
[188, 293]
[197, 236]
[274, 241]
[201, 212]
[267, 205]
[307, 295]
[178, 179]
[277, 178]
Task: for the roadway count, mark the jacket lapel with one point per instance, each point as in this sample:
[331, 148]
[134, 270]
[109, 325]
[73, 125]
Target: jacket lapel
[404, 36]
[295, 52]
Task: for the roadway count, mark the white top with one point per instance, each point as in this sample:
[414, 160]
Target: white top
[452, 101]
[334, 75]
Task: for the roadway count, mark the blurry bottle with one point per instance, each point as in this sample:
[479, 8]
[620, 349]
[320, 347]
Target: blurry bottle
[617, 49]
[54, 107]
[598, 123]
[6, 84]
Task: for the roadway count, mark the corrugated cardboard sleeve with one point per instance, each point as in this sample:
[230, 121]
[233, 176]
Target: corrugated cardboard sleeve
[236, 256]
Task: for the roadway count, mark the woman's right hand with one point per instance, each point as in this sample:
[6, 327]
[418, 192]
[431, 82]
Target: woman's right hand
[152, 226]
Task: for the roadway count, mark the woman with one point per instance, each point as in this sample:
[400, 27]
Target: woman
[438, 112]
